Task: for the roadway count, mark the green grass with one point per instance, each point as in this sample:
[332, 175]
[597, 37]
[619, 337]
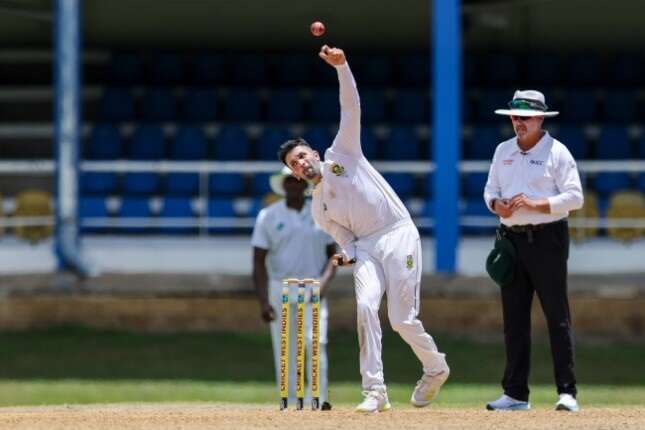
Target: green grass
[72, 365]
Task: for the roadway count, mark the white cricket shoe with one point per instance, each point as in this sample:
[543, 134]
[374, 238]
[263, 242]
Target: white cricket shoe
[506, 403]
[567, 402]
[375, 401]
[427, 388]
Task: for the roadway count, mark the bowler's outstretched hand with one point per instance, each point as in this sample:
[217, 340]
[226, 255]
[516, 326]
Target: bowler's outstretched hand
[333, 56]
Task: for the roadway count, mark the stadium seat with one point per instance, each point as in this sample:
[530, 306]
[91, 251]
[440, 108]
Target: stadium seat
[377, 70]
[285, 105]
[167, 69]
[472, 69]
[200, 104]
[501, 70]
[373, 106]
[232, 143]
[411, 106]
[293, 69]
[99, 183]
[589, 211]
[429, 185]
[33, 203]
[269, 142]
[135, 207]
[640, 147]
[325, 106]
[626, 70]
[614, 144]
[369, 143]
[320, 138]
[182, 184]
[92, 207]
[482, 143]
[427, 214]
[620, 106]
[220, 211]
[607, 183]
[543, 70]
[159, 104]
[260, 184]
[189, 144]
[208, 69]
[147, 143]
[474, 184]
[489, 101]
[242, 105]
[640, 182]
[579, 106]
[117, 104]
[403, 183]
[249, 69]
[402, 144]
[473, 212]
[126, 68]
[181, 208]
[105, 143]
[574, 139]
[226, 184]
[584, 69]
[414, 70]
[626, 205]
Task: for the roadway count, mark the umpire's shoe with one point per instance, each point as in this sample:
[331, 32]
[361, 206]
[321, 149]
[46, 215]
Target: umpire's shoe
[427, 388]
[506, 403]
[567, 402]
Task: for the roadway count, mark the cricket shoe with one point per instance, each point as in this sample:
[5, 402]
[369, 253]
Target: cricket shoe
[506, 403]
[567, 402]
[375, 401]
[427, 388]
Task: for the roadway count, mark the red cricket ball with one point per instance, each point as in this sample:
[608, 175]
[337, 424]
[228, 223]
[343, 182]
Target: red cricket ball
[317, 28]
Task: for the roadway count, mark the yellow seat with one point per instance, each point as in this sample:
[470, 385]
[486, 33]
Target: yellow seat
[33, 203]
[588, 212]
[622, 206]
[270, 198]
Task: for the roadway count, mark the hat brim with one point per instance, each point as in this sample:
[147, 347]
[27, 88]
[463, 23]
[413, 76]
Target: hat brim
[276, 182]
[525, 112]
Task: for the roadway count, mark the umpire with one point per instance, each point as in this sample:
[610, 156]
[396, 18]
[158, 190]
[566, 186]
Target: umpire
[532, 185]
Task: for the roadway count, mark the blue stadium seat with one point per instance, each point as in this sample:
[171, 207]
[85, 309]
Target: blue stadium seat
[126, 68]
[429, 185]
[323, 75]
[249, 69]
[574, 139]
[491, 100]
[159, 104]
[620, 106]
[200, 104]
[640, 147]
[232, 143]
[260, 184]
[626, 70]
[472, 69]
[294, 69]
[369, 143]
[428, 216]
[474, 184]
[614, 144]
[220, 208]
[607, 183]
[325, 105]
[189, 144]
[177, 207]
[99, 183]
[208, 69]
[167, 68]
[476, 208]
[243, 105]
[182, 184]
[285, 105]
[640, 182]
[255, 207]
[377, 70]
[226, 184]
[411, 106]
[373, 106]
[544, 70]
[402, 183]
[319, 138]
[402, 144]
[501, 69]
[92, 207]
[580, 106]
[135, 207]
[481, 145]
[117, 104]
[414, 70]
[141, 183]
[147, 143]
[584, 69]
[105, 143]
[269, 142]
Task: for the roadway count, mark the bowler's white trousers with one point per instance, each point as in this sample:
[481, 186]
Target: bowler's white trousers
[275, 298]
[389, 261]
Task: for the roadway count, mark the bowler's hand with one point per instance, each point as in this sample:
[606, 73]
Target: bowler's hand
[333, 56]
[503, 208]
[268, 314]
[342, 260]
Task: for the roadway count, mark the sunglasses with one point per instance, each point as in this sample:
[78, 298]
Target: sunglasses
[527, 105]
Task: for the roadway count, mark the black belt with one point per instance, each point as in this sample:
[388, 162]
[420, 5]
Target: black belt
[531, 227]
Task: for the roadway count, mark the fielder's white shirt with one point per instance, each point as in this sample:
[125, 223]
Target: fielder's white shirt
[546, 171]
[296, 245]
[352, 200]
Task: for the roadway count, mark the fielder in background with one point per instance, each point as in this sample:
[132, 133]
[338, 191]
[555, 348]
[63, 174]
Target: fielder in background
[532, 185]
[287, 244]
[358, 208]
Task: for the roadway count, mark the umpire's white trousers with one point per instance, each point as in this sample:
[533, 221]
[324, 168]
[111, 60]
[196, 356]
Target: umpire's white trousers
[275, 298]
[390, 262]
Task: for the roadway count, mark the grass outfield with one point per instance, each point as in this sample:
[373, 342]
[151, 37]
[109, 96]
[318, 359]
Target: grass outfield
[71, 365]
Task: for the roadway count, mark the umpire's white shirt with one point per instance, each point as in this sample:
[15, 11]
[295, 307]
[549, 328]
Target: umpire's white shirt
[352, 200]
[546, 171]
[296, 245]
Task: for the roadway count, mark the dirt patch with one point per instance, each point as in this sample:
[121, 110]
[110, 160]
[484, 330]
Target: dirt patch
[239, 417]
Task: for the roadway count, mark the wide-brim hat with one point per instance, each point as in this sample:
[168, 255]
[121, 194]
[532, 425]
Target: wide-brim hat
[276, 181]
[527, 103]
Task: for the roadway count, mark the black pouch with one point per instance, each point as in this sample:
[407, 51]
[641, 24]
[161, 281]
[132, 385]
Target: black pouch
[501, 261]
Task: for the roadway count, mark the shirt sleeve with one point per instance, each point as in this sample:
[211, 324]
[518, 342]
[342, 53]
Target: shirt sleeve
[260, 237]
[348, 139]
[567, 180]
[492, 190]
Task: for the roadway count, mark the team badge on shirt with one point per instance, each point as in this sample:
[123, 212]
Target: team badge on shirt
[280, 226]
[409, 262]
[337, 169]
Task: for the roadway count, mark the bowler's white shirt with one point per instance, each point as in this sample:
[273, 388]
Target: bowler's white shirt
[296, 246]
[352, 200]
[546, 171]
